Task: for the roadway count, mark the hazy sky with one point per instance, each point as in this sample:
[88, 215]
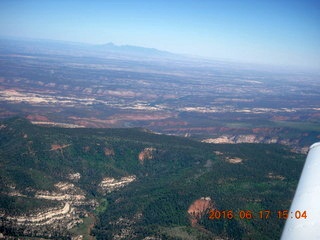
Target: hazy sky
[280, 32]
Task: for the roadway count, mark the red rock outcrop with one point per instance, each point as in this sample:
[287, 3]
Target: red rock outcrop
[55, 147]
[146, 154]
[199, 208]
[37, 118]
[108, 152]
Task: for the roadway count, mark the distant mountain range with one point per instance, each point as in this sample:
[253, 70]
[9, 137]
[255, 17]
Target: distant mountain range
[36, 46]
[129, 49]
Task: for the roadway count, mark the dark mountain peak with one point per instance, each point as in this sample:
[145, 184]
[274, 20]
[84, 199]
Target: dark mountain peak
[40, 46]
[109, 44]
[134, 50]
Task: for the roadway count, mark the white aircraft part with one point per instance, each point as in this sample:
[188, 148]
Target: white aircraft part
[306, 198]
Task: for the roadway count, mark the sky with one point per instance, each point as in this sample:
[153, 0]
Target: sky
[276, 32]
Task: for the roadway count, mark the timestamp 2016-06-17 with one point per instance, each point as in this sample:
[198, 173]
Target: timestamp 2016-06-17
[215, 214]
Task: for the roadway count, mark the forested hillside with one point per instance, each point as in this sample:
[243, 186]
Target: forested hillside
[134, 184]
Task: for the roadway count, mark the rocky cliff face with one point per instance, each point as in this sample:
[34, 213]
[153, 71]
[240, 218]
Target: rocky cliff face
[252, 138]
[146, 154]
[73, 205]
[199, 208]
[49, 222]
[108, 152]
[109, 184]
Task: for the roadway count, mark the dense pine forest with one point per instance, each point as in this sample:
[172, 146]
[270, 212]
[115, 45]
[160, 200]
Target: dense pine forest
[170, 173]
